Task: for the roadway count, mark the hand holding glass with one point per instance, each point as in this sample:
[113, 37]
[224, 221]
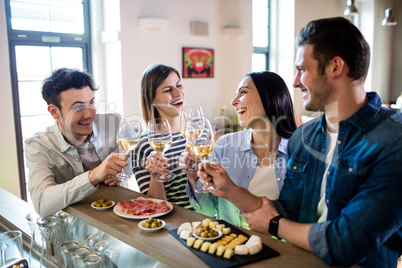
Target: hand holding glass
[160, 139]
[200, 142]
[128, 136]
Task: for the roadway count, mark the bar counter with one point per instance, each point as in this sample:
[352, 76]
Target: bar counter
[160, 245]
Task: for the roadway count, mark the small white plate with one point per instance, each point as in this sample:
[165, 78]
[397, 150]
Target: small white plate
[140, 224]
[208, 239]
[102, 208]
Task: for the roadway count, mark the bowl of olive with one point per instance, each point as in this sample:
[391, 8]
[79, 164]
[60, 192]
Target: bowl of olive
[151, 224]
[207, 233]
[103, 204]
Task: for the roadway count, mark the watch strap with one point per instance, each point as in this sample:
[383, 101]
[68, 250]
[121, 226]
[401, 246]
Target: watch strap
[274, 226]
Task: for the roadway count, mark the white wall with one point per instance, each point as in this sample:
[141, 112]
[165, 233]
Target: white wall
[9, 178]
[141, 47]
[396, 59]
[304, 13]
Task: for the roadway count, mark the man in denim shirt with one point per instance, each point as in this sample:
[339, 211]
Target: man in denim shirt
[342, 196]
[68, 160]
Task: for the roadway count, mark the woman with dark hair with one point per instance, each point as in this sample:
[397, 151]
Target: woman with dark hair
[254, 158]
[162, 96]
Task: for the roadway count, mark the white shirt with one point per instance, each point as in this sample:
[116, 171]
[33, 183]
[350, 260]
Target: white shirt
[263, 183]
[322, 209]
[56, 174]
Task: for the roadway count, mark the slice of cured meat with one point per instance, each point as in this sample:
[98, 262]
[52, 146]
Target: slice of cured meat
[143, 207]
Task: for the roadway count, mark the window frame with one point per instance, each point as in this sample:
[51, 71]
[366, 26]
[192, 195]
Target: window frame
[265, 50]
[34, 38]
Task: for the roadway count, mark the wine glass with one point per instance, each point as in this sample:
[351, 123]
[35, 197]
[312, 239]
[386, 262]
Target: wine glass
[200, 142]
[160, 139]
[128, 136]
[187, 113]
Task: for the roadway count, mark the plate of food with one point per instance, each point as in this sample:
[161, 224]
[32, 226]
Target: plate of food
[233, 249]
[103, 204]
[142, 208]
[151, 224]
[207, 233]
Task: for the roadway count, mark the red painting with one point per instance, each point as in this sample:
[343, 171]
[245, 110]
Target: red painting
[198, 62]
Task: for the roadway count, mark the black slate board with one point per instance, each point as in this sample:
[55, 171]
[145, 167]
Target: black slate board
[237, 260]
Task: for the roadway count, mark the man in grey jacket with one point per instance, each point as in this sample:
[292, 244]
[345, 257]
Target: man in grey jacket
[68, 160]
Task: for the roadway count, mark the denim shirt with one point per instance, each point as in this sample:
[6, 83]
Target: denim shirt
[363, 190]
[56, 174]
[234, 152]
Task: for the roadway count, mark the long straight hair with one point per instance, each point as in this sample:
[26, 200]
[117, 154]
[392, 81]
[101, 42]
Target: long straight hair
[151, 79]
[275, 98]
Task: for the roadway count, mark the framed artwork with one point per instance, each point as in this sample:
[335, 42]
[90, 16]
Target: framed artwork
[198, 62]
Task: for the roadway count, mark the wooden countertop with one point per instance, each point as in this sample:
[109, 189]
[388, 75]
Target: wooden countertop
[162, 245]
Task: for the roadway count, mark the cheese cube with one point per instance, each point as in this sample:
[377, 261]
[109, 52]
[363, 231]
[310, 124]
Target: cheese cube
[190, 241]
[254, 238]
[228, 253]
[226, 230]
[232, 246]
[241, 250]
[205, 246]
[195, 224]
[254, 247]
[220, 250]
[227, 238]
[186, 234]
[220, 227]
[184, 227]
[242, 237]
[213, 224]
[212, 248]
[198, 243]
[206, 222]
[236, 242]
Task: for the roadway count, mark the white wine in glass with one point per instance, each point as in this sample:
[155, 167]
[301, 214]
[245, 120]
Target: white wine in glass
[201, 146]
[201, 150]
[127, 144]
[187, 113]
[160, 146]
[127, 138]
[160, 139]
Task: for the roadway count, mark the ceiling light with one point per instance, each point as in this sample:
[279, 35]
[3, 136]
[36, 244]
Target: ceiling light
[350, 8]
[389, 19]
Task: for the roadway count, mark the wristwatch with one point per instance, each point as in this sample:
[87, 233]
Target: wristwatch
[274, 225]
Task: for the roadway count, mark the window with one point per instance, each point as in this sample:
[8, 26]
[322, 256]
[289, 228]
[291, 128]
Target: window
[43, 36]
[261, 40]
